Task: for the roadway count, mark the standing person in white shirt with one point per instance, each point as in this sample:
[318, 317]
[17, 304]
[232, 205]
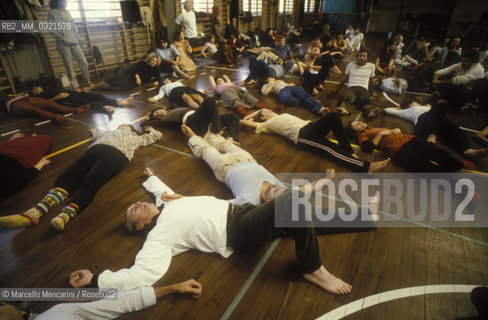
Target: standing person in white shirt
[209, 224]
[360, 75]
[188, 20]
[357, 40]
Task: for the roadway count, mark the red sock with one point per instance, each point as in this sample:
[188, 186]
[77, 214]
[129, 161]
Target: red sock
[260, 105]
[468, 165]
[241, 110]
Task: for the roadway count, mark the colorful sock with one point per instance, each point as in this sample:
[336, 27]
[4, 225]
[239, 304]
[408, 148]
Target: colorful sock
[54, 197]
[241, 110]
[67, 213]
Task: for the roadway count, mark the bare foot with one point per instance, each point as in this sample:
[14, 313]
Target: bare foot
[152, 100]
[59, 119]
[374, 113]
[17, 135]
[124, 102]
[148, 171]
[476, 153]
[43, 162]
[324, 279]
[378, 165]
[187, 131]
[83, 108]
[342, 111]
[323, 111]
[330, 174]
[252, 81]
[373, 206]
[315, 92]
[108, 109]
[432, 138]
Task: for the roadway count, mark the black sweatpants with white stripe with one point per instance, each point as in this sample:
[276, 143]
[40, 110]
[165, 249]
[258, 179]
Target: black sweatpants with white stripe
[312, 137]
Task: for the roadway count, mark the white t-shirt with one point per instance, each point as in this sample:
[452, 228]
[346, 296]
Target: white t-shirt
[359, 75]
[356, 40]
[284, 124]
[212, 48]
[189, 21]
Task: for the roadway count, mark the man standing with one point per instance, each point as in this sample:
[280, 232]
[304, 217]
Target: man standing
[360, 75]
[188, 20]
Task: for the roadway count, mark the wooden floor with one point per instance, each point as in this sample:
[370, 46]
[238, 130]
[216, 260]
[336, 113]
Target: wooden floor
[261, 285]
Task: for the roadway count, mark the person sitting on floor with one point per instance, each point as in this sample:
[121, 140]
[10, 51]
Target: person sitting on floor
[170, 59]
[210, 46]
[135, 76]
[21, 159]
[234, 97]
[178, 94]
[340, 43]
[311, 136]
[198, 120]
[102, 161]
[260, 70]
[184, 49]
[386, 58]
[78, 99]
[359, 74]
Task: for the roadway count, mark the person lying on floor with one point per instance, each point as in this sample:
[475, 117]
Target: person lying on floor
[37, 107]
[313, 81]
[260, 70]
[311, 136]
[80, 182]
[77, 99]
[105, 309]
[408, 151]
[235, 97]
[198, 120]
[431, 122]
[135, 76]
[290, 95]
[209, 224]
[179, 94]
[21, 159]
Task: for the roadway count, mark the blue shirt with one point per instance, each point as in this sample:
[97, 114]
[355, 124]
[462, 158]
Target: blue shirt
[389, 85]
[283, 52]
[169, 53]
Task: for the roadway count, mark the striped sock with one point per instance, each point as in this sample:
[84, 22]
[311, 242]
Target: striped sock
[71, 209]
[54, 197]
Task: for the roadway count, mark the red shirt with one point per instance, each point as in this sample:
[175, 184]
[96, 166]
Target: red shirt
[389, 144]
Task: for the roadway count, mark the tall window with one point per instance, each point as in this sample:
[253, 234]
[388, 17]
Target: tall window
[94, 9]
[286, 6]
[253, 6]
[309, 6]
[200, 5]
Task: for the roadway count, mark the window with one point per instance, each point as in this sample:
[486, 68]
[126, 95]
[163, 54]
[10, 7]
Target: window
[94, 9]
[309, 6]
[200, 5]
[253, 6]
[286, 6]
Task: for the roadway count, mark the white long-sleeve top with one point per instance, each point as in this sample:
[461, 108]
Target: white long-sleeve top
[166, 89]
[127, 301]
[462, 76]
[188, 223]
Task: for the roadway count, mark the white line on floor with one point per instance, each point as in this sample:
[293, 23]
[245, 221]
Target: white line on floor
[153, 88]
[7, 133]
[134, 94]
[42, 122]
[69, 114]
[386, 296]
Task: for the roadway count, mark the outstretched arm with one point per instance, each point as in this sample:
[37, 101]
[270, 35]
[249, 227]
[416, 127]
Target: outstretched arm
[249, 123]
[226, 78]
[213, 85]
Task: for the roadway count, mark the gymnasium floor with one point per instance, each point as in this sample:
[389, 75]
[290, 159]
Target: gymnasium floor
[408, 273]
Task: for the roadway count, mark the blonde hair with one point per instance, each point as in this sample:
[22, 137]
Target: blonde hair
[153, 55]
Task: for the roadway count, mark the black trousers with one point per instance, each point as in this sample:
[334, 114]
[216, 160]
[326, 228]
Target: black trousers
[435, 122]
[13, 176]
[312, 137]
[208, 113]
[417, 154]
[456, 95]
[77, 99]
[250, 227]
[311, 80]
[84, 177]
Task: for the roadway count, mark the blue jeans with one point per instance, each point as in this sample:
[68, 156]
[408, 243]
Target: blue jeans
[295, 96]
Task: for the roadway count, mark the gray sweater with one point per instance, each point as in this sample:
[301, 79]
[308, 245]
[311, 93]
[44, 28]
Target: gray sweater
[67, 37]
[125, 141]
